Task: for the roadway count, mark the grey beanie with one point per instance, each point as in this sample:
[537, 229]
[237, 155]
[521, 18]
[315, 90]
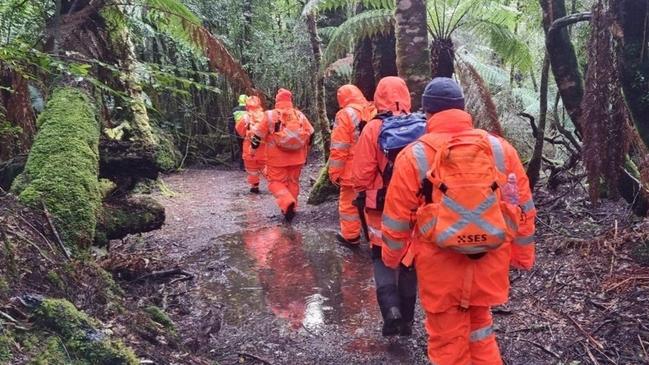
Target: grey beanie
[442, 93]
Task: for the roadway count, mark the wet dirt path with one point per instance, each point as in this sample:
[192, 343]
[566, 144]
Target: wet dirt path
[269, 292]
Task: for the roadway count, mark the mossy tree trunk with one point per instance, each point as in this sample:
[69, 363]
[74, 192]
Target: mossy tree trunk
[323, 189]
[413, 59]
[63, 165]
[322, 124]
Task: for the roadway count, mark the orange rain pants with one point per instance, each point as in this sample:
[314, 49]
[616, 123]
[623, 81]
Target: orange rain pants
[373, 219]
[284, 184]
[254, 169]
[458, 336]
[350, 223]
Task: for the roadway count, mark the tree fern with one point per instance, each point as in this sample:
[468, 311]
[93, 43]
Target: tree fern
[365, 24]
[326, 5]
[489, 20]
[174, 18]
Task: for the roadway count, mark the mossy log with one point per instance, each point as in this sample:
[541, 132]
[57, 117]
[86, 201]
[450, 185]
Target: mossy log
[125, 162]
[80, 334]
[323, 189]
[63, 164]
[122, 217]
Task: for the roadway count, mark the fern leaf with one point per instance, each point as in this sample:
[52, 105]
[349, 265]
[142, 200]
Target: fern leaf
[174, 18]
[328, 5]
[365, 24]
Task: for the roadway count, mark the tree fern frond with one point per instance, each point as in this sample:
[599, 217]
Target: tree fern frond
[174, 18]
[365, 24]
[327, 5]
[493, 75]
[505, 44]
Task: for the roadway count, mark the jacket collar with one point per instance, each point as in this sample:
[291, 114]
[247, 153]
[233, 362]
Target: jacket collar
[449, 121]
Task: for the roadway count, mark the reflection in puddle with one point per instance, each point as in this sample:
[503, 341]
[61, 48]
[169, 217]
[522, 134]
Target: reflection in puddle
[304, 278]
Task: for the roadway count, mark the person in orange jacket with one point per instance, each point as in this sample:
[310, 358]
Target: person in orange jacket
[354, 112]
[457, 290]
[288, 134]
[396, 290]
[254, 160]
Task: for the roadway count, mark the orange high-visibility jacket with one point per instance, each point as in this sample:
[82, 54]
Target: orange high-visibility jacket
[354, 110]
[275, 156]
[254, 115]
[452, 278]
[392, 95]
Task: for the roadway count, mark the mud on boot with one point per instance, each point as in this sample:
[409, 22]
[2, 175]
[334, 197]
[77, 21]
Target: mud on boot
[393, 322]
[353, 243]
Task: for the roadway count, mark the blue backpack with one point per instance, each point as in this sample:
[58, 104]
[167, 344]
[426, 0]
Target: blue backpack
[397, 131]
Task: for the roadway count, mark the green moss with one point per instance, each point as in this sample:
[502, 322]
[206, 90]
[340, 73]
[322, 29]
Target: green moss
[159, 316]
[112, 289]
[4, 286]
[106, 187]
[52, 353]
[54, 278]
[63, 165]
[80, 335]
[167, 155]
[5, 346]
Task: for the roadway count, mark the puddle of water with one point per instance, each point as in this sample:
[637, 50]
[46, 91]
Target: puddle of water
[305, 278]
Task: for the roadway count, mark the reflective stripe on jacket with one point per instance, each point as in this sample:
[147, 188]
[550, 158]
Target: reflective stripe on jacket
[454, 278]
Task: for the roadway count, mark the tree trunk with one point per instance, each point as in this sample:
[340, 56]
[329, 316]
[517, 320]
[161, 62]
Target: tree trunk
[631, 32]
[323, 189]
[321, 123]
[363, 70]
[442, 57]
[17, 119]
[384, 56]
[413, 58]
[534, 167]
[63, 165]
[563, 60]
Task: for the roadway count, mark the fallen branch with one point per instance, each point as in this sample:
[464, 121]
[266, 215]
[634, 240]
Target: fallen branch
[55, 232]
[165, 274]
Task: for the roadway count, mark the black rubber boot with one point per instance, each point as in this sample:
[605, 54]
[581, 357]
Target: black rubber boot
[290, 213]
[393, 322]
[255, 189]
[353, 243]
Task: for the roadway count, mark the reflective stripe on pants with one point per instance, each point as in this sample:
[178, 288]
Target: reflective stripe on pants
[462, 337]
[284, 184]
[373, 218]
[254, 169]
[350, 223]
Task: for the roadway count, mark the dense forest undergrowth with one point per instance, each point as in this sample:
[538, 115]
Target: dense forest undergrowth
[127, 234]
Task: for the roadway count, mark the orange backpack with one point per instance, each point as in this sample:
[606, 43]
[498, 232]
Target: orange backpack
[290, 132]
[464, 209]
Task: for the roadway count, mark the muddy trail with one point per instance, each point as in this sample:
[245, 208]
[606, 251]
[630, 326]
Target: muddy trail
[265, 292]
